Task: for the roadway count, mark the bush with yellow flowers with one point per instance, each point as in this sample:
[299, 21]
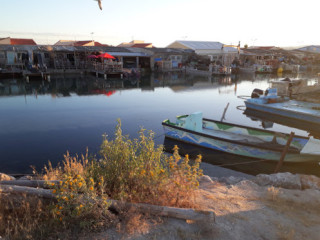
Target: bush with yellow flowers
[80, 201]
[138, 171]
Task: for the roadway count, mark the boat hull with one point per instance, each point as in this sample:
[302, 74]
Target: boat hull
[235, 148]
[297, 110]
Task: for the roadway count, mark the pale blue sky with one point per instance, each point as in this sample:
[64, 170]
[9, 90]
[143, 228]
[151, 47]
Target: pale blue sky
[253, 22]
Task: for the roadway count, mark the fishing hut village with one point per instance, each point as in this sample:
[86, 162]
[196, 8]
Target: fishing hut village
[24, 58]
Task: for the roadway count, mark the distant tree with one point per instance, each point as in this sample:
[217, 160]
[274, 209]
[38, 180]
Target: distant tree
[246, 46]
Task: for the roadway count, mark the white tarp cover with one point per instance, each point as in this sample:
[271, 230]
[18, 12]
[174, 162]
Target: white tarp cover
[312, 147]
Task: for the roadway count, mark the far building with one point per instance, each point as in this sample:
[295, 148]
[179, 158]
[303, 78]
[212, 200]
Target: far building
[136, 44]
[17, 41]
[86, 43]
[311, 49]
[215, 51]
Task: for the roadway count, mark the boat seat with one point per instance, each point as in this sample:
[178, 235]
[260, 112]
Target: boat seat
[191, 122]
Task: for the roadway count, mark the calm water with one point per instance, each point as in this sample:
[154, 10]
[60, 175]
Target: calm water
[40, 121]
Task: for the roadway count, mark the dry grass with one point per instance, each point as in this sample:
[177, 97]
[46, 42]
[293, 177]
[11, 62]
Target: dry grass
[129, 170]
[133, 222]
[22, 217]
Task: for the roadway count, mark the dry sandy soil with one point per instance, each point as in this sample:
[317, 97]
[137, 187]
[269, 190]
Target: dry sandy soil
[245, 209]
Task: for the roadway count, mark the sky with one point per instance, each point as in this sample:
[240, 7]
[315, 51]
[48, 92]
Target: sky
[252, 22]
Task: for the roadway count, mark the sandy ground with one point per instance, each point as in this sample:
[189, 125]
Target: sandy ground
[244, 211]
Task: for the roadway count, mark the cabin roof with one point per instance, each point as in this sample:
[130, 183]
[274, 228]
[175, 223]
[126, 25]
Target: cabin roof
[205, 45]
[141, 45]
[20, 41]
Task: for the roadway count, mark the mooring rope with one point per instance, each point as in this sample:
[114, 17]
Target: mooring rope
[233, 164]
[243, 97]
[241, 108]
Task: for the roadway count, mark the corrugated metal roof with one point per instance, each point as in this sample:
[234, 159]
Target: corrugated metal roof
[204, 45]
[170, 50]
[129, 54]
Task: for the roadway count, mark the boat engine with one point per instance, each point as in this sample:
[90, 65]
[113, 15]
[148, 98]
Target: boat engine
[256, 93]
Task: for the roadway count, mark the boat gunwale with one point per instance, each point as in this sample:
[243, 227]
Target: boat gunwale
[281, 109]
[293, 151]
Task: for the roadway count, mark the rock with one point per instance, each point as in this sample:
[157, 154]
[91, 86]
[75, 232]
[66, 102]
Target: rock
[27, 177]
[5, 177]
[283, 180]
[310, 182]
[231, 180]
[205, 179]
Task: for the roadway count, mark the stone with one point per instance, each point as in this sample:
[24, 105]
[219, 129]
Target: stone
[282, 180]
[310, 182]
[232, 180]
[5, 177]
[205, 179]
[27, 177]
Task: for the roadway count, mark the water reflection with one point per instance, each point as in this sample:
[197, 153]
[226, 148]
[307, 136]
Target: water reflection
[41, 120]
[87, 85]
[63, 87]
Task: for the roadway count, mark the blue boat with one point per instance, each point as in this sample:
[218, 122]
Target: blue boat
[302, 112]
[240, 140]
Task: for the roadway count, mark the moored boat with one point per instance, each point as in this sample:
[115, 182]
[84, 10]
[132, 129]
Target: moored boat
[279, 106]
[240, 140]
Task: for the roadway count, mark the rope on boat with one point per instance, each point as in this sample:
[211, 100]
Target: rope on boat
[242, 163]
[241, 108]
[245, 97]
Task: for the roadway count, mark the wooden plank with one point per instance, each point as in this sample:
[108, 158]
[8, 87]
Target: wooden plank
[37, 192]
[29, 183]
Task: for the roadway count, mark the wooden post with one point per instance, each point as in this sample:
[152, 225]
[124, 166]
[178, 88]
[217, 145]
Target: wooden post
[224, 112]
[284, 153]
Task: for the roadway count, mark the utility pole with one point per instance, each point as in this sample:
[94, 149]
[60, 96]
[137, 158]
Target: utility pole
[92, 38]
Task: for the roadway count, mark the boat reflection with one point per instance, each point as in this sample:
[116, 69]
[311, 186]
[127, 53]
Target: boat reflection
[238, 163]
[267, 121]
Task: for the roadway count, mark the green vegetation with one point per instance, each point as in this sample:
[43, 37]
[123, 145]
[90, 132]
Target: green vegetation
[128, 170]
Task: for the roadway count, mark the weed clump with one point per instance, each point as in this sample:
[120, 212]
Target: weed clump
[128, 170]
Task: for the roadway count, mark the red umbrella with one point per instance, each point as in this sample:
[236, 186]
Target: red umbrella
[106, 55]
